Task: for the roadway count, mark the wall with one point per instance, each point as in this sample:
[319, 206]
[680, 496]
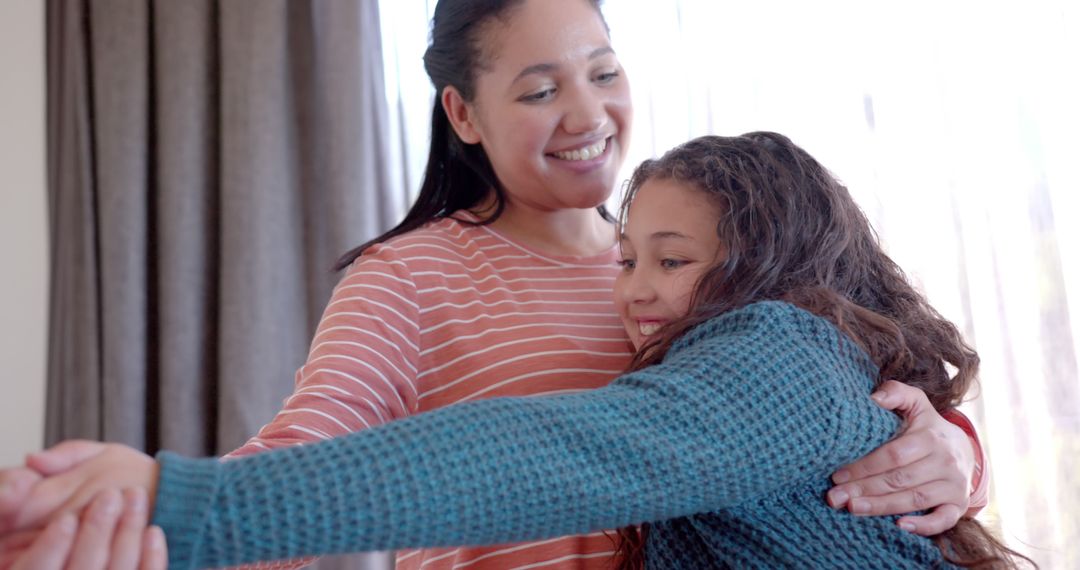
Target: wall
[23, 238]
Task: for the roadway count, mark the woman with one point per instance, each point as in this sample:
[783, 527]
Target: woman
[497, 283]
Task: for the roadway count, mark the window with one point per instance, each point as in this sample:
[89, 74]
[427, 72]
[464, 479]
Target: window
[954, 125]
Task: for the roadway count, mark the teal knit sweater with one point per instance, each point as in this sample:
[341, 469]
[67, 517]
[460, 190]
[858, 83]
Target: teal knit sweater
[729, 442]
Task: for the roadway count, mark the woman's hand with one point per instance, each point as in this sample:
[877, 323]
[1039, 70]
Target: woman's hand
[15, 485]
[74, 473]
[112, 534]
[928, 466]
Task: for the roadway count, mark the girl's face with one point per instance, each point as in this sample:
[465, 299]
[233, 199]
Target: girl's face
[551, 107]
[668, 242]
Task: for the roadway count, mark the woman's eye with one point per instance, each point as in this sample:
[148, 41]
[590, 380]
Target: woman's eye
[607, 77]
[672, 263]
[627, 264]
[539, 95]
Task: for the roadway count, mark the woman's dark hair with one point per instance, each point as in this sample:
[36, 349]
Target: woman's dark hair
[458, 175]
[793, 233]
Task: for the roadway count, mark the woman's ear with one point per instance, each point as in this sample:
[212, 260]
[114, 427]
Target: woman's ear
[461, 115]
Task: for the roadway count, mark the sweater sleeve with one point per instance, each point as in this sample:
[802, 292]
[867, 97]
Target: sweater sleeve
[742, 405]
[980, 480]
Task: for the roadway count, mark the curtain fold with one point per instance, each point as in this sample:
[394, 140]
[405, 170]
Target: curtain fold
[208, 162]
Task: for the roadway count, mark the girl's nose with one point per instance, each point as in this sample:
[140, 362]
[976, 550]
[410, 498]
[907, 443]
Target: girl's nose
[637, 289]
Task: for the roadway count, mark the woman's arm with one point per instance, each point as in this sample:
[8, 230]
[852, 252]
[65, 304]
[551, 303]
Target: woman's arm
[362, 364]
[935, 463]
[360, 372]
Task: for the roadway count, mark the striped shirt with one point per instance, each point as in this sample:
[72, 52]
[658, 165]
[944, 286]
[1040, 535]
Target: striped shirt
[450, 313]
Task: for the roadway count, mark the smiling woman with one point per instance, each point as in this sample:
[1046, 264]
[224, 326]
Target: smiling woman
[570, 113]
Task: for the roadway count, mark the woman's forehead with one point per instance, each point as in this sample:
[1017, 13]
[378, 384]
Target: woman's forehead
[543, 32]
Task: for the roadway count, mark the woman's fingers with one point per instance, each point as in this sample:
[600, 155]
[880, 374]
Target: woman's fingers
[115, 467]
[940, 520]
[906, 478]
[900, 397]
[96, 529]
[127, 542]
[50, 551]
[905, 450]
[15, 486]
[42, 502]
[14, 545]
[155, 555]
[919, 498]
[111, 534]
[63, 456]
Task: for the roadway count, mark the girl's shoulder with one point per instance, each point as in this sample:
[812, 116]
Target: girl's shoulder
[763, 317]
[777, 324]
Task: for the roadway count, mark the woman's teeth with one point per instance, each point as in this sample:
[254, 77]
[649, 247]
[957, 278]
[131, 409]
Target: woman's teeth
[586, 153]
[648, 329]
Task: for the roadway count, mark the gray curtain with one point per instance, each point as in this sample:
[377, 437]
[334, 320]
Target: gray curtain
[208, 162]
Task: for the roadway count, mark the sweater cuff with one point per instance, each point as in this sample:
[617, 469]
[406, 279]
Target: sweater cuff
[186, 490]
[980, 480]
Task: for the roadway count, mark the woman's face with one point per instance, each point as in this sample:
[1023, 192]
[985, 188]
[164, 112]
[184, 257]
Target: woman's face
[668, 242]
[552, 106]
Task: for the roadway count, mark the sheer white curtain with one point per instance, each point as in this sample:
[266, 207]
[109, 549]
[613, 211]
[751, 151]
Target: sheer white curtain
[953, 123]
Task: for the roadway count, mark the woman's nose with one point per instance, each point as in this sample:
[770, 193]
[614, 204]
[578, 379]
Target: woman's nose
[586, 112]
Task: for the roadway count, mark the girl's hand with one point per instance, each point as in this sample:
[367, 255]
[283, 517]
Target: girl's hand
[928, 466]
[76, 472]
[111, 534]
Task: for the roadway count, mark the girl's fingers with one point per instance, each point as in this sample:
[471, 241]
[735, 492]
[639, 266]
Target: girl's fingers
[127, 542]
[155, 555]
[96, 529]
[50, 551]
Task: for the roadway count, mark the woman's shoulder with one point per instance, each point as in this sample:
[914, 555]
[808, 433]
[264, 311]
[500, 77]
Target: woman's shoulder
[445, 238]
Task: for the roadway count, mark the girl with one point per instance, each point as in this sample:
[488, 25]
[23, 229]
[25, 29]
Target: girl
[498, 281]
[764, 313]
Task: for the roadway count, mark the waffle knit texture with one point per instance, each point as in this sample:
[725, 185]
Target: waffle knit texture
[447, 313]
[744, 420]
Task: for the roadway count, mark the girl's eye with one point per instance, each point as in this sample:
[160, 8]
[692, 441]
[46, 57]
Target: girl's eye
[539, 95]
[672, 263]
[627, 264]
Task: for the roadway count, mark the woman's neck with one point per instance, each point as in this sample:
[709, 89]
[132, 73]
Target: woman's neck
[567, 232]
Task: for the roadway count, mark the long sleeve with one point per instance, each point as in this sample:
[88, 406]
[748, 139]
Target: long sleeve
[980, 487]
[742, 405]
[362, 366]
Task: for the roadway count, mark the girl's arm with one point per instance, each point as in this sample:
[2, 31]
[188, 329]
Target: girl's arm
[742, 407]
